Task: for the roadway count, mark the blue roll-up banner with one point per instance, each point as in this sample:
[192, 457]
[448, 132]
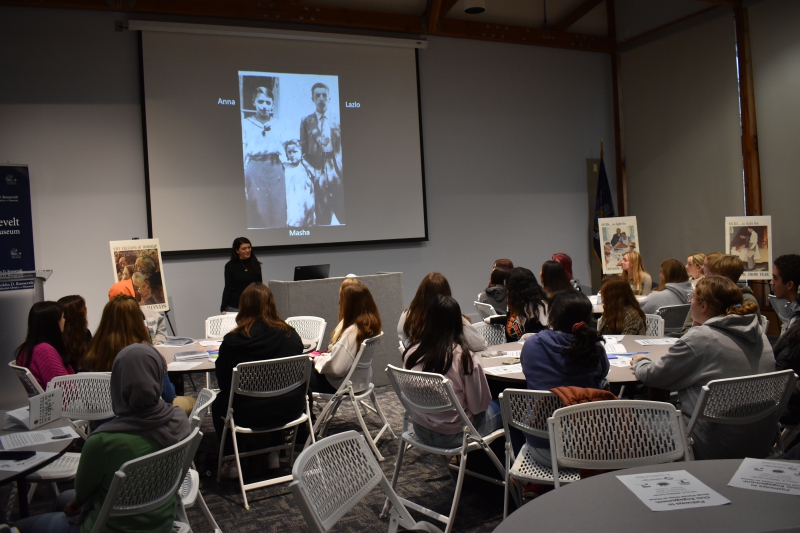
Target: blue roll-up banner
[16, 226]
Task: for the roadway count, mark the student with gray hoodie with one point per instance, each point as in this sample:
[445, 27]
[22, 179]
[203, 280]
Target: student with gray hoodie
[727, 342]
[495, 293]
[674, 288]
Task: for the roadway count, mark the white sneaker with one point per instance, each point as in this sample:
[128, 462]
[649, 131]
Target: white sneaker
[273, 460]
[229, 470]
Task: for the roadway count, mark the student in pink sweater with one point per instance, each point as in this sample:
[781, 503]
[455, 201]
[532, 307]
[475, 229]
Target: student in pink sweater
[442, 349]
[43, 351]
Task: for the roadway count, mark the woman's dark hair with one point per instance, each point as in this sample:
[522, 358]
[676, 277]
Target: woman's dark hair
[258, 304]
[251, 264]
[438, 341]
[76, 328]
[571, 312]
[43, 319]
[121, 324]
[357, 306]
[672, 271]
[566, 262]
[432, 285]
[555, 278]
[503, 263]
[524, 291]
[499, 276]
[617, 296]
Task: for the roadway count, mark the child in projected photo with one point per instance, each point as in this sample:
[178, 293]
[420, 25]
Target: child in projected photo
[299, 187]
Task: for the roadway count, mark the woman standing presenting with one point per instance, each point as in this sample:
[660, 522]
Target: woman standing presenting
[242, 270]
[264, 177]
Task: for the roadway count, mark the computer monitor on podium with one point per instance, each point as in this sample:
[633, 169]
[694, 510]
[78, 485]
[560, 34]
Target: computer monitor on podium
[303, 273]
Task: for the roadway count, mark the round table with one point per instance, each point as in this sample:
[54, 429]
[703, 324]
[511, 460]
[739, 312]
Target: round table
[603, 503]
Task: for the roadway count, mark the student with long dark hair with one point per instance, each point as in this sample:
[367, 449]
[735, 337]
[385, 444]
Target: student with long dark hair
[243, 269]
[621, 312]
[43, 352]
[568, 355]
[442, 350]
[527, 305]
[554, 278]
[76, 335]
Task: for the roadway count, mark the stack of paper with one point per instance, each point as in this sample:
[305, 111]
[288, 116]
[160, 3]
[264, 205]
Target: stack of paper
[178, 341]
[504, 369]
[191, 354]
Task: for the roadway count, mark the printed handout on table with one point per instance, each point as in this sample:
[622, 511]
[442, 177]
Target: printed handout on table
[505, 369]
[613, 338]
[770, 476]
[32, 438]
[656, 342]
[614, 348]
[211, 343]
[182, 366]
[621, 360]
[667, 491]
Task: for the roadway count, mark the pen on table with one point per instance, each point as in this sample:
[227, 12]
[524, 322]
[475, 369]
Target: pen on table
[633, 353]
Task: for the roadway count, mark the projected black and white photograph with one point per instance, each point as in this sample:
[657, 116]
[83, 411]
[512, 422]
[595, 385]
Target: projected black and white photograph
[619, 235]
[292, 150]
[748, 239]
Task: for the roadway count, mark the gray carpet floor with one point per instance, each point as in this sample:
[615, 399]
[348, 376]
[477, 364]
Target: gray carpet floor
[424, 478]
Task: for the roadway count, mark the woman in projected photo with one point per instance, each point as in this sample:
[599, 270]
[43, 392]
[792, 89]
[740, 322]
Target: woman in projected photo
[265, 184]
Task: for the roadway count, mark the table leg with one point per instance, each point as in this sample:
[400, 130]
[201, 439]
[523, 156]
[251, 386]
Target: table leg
[22, 495]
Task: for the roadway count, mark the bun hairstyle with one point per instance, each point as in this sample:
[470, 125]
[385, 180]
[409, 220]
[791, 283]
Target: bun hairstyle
[571, 312]
[723, 297]
[438, 341]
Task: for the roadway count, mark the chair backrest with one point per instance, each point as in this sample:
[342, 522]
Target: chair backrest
[147, 483]
[219, 325]
[764, 321]
[743, 400]
[655, 325]
[528, 410]
[86, 396]
[32, 386]
[674, 316]
[617, 434]
[782, 308]
[204, 400]
[484, 310]
[332, 475]
[493, 334]
[310, 328]
[362, 363]
[425, 392]
[273, 377]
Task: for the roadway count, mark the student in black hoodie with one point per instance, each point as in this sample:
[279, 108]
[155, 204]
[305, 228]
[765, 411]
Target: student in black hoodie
[260, 334]
[495, 293]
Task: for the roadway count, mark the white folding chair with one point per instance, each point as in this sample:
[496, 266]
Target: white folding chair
[265, 379]
[782, 308]
[310, 328]
[331, 402]
[32, 386]
[145, 484]
[86, 396]
[493, 334]
[745, 400]
[334, 474]
[528, 411]
[425, 392]
[62, 469]
[217, 327]
[655, 326]
[484, 310]
[616, 434]
[764, 321]
[203, 403]
[674, 316]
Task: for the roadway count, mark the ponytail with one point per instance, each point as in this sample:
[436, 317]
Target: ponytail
[583, 350]
[569, 313]
[746, 308]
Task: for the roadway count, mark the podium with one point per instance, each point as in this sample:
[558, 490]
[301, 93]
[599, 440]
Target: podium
[320, 297]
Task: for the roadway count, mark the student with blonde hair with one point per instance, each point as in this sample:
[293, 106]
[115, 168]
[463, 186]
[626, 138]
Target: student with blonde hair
[694, 267]
[634, 273]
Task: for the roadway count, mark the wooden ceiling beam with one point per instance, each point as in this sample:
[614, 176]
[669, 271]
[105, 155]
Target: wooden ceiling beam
[432, 14]
[447, 5]
[577, 14]
[292, 11]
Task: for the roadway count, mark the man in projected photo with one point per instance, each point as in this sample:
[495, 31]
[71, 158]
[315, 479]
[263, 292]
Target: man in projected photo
[265, 185]
[321, 142]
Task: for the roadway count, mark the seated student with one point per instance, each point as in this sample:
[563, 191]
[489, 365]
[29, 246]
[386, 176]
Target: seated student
[568, 355]
[527, 305]
[495, 293]
[566, 262]
[122, 324]
[728, 342]
[76, 335]
[785, 280]
[412, 320]
[731, 267]
[155, 322]
[260, 334]
[673, 289]
[694, 267]
[621, 312]
[442, 350]
[144, 424]
[634, 273]
[337, 331]
[360, 321]
[554, 278]
[43, 352]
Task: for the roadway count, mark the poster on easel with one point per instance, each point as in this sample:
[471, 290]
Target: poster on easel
[748, 238]
[618, 236]
[140, 262]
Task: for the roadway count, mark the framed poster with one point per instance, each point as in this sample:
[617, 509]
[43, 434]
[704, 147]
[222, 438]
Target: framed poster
[618, 236]
[749, 239]
[140, 262]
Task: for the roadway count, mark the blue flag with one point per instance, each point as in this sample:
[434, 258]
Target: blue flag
[603, 208]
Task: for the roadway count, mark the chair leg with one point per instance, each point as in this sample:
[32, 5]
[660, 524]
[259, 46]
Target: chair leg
[31, 491]
[221, 449]
[291, 449]
[381, 415]
[328, 412]
[506, 480]
[209, 517]
[239, 467]
[364, 427]
[462, 467]
[401, 450]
